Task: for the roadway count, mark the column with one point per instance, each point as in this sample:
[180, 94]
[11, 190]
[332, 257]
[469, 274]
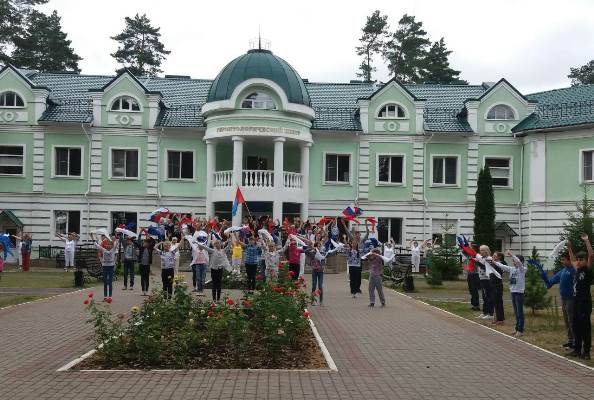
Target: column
[237, 173]
[305, 180]
[279, 160]
[211, 162]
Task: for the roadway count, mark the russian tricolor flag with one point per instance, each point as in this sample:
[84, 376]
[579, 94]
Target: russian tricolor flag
[238, 200]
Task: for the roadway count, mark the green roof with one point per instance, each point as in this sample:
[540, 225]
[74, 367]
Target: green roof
[335, 104]
[263, 64]
[560, 108]
[13, 218]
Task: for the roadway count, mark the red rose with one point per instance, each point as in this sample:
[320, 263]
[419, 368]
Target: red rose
[210, 314]
[219, 318]
[302, 278]
[230, 302]
[291, 274]
[108, 300]
[90, 295]
[317, 292]
[258, 277]
[247, 303]
[306, 314]
[86, 302]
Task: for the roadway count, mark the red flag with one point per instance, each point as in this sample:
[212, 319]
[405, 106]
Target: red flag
[239, 197]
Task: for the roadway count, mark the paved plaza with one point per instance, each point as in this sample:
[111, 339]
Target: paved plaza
[405, 351]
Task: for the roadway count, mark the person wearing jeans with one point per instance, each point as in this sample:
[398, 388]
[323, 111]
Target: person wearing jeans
[517, 283]
[217, 261]
[376, 265]
[354, 268]
[252, 255]
[317, 271]
[145, 259]
[108, 257]
[168, 253]
[198, 264]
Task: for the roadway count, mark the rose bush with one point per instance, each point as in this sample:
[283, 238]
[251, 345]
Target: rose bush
[188, 332]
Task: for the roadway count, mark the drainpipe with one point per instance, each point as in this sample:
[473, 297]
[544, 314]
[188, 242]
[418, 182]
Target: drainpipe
[519, 205]
[88, 178]
[425, 201]
[159, 168]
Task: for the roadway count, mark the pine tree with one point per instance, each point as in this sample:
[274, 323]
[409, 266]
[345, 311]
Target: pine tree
[140, 49]
[44, 46]
[437, 66]
[484, 210]
[535, 293]
[583, 75]
[579, 221]
[375, 32]
[13, 17]
[406, 50]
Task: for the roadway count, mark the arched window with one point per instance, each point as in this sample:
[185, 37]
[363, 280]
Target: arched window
[125, 103]
[11, 99]
[501, 111]
[391, 111]
[259, 100]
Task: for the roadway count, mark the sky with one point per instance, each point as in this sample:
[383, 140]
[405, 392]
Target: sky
[530, 43]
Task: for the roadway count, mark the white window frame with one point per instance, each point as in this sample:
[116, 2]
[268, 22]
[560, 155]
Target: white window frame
[458, 167]
[275, 107]
[581, 167]
[337, 183]
[389, 183]
[18, 94]
[499, 119]
[166, 172]
[110, 159]
[53, 219]
[82, 161]
[24, 146]
[510, 178]
[389, 103]
[118, 98]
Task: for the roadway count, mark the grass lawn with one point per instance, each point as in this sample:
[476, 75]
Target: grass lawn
[543, 329]
[11, 300]
[37, 279]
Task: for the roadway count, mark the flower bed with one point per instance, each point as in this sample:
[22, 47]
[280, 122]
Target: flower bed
[269, 329]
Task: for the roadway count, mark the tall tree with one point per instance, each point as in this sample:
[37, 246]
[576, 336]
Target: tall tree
[43, 45]
[583, 75]
[13, 15]
[140, 48]
[437, 66]
[375, 32]
[579, 221]
[406, 50]
[484, 210]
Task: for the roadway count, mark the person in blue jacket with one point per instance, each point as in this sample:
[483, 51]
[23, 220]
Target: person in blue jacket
[564, 278]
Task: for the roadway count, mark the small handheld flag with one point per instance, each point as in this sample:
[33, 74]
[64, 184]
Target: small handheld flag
[238, 200]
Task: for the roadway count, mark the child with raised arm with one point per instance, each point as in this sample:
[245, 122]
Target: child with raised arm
[252, 258]
[582, 323]
[415, 255]
[376, 265]
[271, 256]
[517, 284]
[564, 278]
[69, 248]
[167, 252]
[198, 264]
[145, 259]
[108, 258]
[218, 262]
[129, 258]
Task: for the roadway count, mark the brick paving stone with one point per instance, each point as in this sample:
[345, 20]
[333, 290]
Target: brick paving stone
[405, 351]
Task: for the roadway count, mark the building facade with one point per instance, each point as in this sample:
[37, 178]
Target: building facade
[82, 152]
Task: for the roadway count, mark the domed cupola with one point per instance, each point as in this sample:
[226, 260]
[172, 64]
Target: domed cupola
[259, 64]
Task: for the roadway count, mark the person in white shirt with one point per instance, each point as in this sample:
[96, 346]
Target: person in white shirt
[167, 252]
[108, 257]
[198, 264]
[415, 255]
[69, 248]
[389, 250]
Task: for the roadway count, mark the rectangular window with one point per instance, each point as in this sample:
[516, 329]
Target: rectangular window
[12, 160]
[445, 170]
[180, 164]
[587, 166]
[390, 169]
[389, 228]
[500, 169]
[128, 219]
[66, 221]
[338, 168]
[68, 161]
[124, 163]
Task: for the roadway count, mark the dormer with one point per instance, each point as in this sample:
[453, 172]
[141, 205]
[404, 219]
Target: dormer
[21, 101]
[498, 109]
[392, 109]
[125, 102]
